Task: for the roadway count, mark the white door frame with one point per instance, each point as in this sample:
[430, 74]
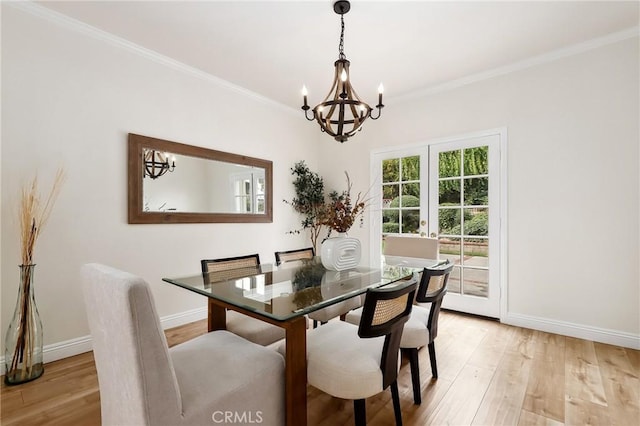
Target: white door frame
[422, 148]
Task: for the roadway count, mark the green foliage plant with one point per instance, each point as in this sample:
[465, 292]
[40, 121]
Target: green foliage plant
[308, 201]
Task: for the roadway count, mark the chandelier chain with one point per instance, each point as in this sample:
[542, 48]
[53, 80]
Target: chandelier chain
[341, 46]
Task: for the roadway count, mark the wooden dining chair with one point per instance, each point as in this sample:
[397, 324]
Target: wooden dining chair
[356, 363]
[422, 327]
[294, 255]
[252, 329]
[321, 316]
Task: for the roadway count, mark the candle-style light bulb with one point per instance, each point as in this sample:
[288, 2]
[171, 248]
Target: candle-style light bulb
[304, 95]
[343, 75]
[380, 92]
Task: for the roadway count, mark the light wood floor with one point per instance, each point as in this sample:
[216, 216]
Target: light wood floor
[489, 374]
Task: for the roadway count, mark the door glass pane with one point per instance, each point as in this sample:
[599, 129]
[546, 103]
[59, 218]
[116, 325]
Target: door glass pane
[449, 192]
[401, 195]
[476, 221]
[453, 285]
[412, 189]
[411, 168]
[476, 252]
[389, 193]
[476, 191]
[463, 193]
[391, 170]
[476, 282]
[476, 161]
[410, 221]
[449, 164]
[450, 248]
[449, 221]
[391, 221]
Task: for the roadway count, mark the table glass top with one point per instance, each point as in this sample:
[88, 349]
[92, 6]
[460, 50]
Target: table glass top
[295, 288]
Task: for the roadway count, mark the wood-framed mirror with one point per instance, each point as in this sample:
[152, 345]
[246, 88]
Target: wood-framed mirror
[171, 182]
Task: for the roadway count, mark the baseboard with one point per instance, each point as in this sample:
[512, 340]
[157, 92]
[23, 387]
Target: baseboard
[601, 335]
[82, 344]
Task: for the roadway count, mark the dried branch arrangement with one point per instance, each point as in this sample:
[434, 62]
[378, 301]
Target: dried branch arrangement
[33, 215]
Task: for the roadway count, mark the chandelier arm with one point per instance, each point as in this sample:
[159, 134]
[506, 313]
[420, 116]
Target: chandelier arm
[379, 108]
[306, 114]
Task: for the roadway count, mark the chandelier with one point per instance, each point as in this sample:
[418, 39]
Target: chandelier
[342, 112]
[157, 163]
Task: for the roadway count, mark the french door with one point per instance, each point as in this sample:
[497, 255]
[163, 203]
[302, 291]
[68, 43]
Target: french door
[451, 190]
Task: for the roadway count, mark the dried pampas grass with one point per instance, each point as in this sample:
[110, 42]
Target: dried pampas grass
[34, 214]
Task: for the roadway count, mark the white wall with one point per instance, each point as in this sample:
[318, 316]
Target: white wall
[573, 179]
[69, 99]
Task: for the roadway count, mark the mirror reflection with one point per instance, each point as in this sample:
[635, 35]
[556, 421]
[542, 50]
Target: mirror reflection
[180, 183]
[170, 182]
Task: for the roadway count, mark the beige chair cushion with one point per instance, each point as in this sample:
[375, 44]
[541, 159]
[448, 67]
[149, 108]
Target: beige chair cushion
[342, 364]
[253, 329]
[415, 333]
[221, 371]
[424, 248]
[335, 310]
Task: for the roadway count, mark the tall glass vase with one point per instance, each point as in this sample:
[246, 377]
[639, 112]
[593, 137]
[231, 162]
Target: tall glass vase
[23, 341]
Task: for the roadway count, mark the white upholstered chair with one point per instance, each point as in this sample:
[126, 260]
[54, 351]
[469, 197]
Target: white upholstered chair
[252, 329]
[419, 247]
[352, 362]
[323, 315]
[422, 327]
[143, 382]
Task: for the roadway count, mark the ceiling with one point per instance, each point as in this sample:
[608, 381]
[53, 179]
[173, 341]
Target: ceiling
[272, 48]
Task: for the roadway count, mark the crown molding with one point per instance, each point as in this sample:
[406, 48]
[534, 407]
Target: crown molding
[96, 33]
[518, 66]
[81, 27]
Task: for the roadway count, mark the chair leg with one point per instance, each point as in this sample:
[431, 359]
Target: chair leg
[412, 353]
[315, 324]
[360, 412]
[396, 402]
[432, 358]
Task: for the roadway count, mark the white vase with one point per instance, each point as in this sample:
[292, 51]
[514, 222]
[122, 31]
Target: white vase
[340, 253]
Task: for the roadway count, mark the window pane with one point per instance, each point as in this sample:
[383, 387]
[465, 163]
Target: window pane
[410, 221]
[449, 222]
[449, 164]
[476, 161]
[476, 252]
[391, 170]
[476, 191]
[476, 222]
[476, 282]
[449, 192]
[411, 168]
[412, 189]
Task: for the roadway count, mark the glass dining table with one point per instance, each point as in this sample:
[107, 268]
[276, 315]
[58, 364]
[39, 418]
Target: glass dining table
[283, 296]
